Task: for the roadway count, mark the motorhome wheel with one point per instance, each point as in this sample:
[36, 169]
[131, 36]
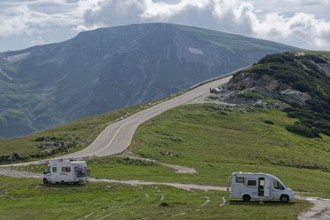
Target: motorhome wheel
[247, 198]
[45, 181]
[284, 198]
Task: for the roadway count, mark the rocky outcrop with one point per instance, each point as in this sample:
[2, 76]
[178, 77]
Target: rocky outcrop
[256, 87]
[294, 82]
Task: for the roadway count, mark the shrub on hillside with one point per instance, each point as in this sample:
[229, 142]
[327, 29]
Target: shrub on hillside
[14, 157]
[303, 130]
[269, 122]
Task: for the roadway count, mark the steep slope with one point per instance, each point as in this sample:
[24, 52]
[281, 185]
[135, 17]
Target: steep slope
[110, 68]
[298, 83]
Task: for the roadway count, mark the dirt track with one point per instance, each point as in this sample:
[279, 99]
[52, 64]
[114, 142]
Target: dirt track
[320, 209]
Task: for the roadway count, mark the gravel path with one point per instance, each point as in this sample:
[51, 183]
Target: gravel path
[4, 171]
[320, 209]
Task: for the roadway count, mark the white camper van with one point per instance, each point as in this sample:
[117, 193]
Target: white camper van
[258, 186]
[65, 171]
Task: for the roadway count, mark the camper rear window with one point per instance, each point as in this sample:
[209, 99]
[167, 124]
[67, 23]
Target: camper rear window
[66, 169]
[240, 179]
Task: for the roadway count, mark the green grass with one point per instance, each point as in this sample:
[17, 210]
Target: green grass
[214, 142]
[323, 53]
[29, 199]
[217, 143]
[81, 133]
[231, 141]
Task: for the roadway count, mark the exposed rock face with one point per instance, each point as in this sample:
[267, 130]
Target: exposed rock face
[243, 89]
[261, 83]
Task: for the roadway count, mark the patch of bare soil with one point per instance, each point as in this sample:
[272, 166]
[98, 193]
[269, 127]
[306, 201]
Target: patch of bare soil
[177, 168]
[19, 174]
[176, 185]
[180, 169]
[320, 209]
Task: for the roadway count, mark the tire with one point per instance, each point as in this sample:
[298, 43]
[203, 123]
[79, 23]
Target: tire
[45, 181]
[284, 198]
[246, 198]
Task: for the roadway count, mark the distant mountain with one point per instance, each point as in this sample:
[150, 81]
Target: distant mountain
[298, 83]
[110, 68]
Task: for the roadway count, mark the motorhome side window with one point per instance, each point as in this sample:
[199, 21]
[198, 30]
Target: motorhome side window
[66, 169]
[278, 185]
[252, 182]
[54, 169]
[240, 179]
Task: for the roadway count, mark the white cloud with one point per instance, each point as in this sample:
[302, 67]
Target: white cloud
[308, 30]
[21, 19]
[14, 22]
[163, 11]
[101, 13]
[304, 23]
[305, 29]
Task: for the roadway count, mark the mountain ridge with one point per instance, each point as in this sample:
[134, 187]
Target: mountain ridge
[110, 68]
[246, 90]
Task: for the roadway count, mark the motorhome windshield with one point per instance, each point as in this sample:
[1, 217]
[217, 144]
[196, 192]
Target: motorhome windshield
[278, 185]
[47, 170]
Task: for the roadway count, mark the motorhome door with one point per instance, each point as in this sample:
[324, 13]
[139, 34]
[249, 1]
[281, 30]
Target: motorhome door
[267, 187]
[261, 186]
[264, 187]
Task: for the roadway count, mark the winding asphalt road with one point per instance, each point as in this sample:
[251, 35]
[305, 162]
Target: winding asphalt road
[117, 136]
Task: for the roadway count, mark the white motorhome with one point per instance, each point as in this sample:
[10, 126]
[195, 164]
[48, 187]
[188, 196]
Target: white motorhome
[258, 186]
[65, 171]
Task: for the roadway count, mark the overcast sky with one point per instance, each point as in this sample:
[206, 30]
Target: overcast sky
[301, 23]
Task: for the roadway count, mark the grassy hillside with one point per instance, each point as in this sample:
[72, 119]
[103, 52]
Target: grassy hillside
[62, 139]
[323, 53]
[214, 141]
[218, 142]
[28, 199]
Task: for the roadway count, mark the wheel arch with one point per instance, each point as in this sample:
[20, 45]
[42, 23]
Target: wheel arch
[286, 196]
[246, 197]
